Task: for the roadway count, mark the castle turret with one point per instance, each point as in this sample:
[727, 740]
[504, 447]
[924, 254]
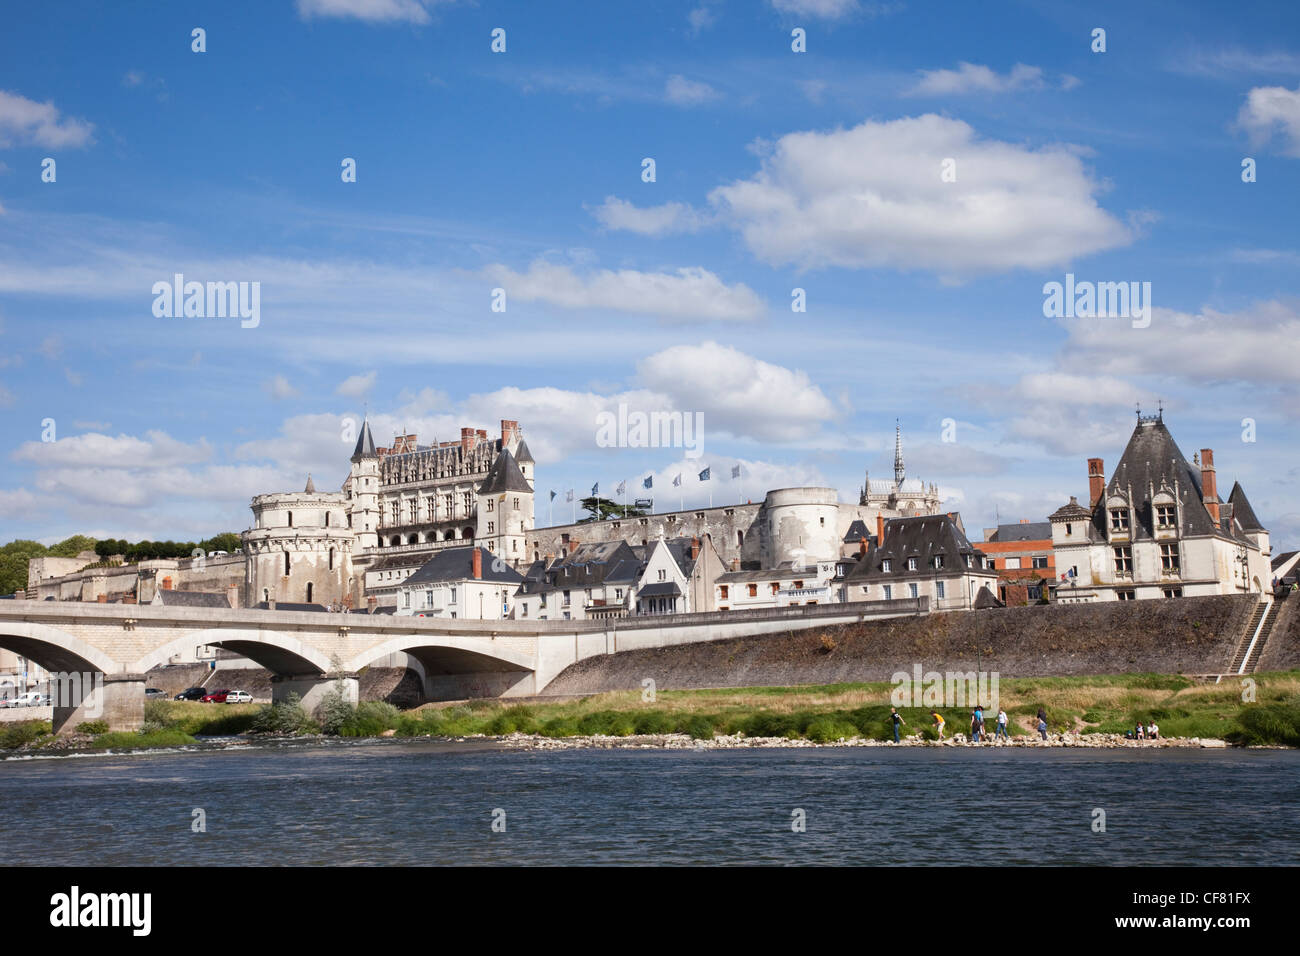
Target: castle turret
[363, 490]
[505, 509]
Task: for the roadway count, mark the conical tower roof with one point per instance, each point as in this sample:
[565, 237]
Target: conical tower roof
[365, 443]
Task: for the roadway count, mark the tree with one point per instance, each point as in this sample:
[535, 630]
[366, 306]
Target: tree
[13, 563]
[602, 509]
[71, 547]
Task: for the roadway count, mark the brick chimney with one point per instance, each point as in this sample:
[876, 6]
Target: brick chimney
[880, 530]
[1209, 484]
[508, 430]
[1096, 481]
[573, 545]
[735, 564]
[476, 564]
[862, 545]
[482, 434]
[695, 549]
[101, 598]
[467, 440]
[128, 599]
[372, 602]
[167, 583]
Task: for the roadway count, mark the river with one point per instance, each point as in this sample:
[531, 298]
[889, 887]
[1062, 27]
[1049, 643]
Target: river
[433, 802]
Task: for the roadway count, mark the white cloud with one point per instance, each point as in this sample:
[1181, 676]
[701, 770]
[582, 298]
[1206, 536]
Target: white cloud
[737, 393]
[280, 388]
[1270, 110]
[26, 122]
[371, 11]
[872, 196]
[678, 89]
[690, 293]
[156, 450]
[821, 9]
[16, 502]
[667, 219]
[974, 78]
[356, 386]
[75, 379]
[700, 19]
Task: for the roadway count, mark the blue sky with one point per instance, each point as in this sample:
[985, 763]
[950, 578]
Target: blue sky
[522, 170]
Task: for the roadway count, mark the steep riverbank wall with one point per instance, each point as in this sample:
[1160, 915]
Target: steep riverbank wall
[1186, 635]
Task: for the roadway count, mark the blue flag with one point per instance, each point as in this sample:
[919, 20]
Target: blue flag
[677, 481]
[704, 475]
[595, 489]
[649, 482]
[735, 471]
[552, 496]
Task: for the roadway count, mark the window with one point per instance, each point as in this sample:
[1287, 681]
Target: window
[1013, 564]
[938, 590]
[492, 527]
[1169, 558]
[1126, 595]
[911, 564]
[286, 564]
[1040, 561]
[968, 560]
[663, 575]
[566, 601]
[516, 504]
[428, 597]
[886, 565]
[823, 521]
[865, 590]
[453, 597]
[331, 559]
[1069, 529]
[911, 590]
[753, 590]
[406, 599]
[889, 592]
[722, 592]
[1119, 520]
[938, 561]
[1124, 562]
[491, 505]
[618, 594]
[1166, 517]
[1173, 592]
[290, 519]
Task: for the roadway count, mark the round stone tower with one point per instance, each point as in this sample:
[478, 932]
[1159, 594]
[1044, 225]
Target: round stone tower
[299, 550]
[800, 525]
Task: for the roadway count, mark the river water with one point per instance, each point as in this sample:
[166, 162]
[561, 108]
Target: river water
[433, 802]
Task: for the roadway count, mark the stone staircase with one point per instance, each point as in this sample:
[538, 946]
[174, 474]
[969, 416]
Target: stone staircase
[1253, 638]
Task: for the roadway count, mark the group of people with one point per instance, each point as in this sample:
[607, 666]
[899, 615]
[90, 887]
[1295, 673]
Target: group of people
[976, 724]
[1150, 732]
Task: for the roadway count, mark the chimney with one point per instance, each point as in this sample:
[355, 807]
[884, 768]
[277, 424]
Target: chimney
[167, 583]
[880, 530]
[508, 430]
[695, 549]
[1096, 481]
[466, 441]
[101, 598]
[476, 564]
[862, 546]
[128, 599]
[735, 564]
[482, 434]
[573, 545]
[1209, 484]
[372, 602]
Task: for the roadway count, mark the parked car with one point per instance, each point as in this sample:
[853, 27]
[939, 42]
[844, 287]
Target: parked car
[29, 699]
[153, 693]
[215, 696]
[239, 697]
[191, 693]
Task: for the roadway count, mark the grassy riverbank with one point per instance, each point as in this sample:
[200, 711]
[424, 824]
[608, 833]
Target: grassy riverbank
[1103, 704]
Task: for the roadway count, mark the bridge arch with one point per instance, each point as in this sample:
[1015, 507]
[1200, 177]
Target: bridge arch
[278, 651]
[55, 650]
[441, 654]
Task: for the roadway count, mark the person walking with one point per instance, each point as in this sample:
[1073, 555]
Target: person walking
[1002, 726]
[975, 725]
[938, 722]
[897, 719]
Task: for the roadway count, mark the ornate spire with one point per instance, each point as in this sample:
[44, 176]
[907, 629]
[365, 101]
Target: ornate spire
[899, 471]
[311, 486]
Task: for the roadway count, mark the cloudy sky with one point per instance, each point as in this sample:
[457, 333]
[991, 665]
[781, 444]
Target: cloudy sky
[921, 171]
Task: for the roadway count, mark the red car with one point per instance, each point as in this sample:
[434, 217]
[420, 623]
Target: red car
[215, 697]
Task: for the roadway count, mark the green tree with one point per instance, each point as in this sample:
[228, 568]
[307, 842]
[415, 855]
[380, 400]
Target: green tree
[71, 547]
[602, 509]
[13, 563]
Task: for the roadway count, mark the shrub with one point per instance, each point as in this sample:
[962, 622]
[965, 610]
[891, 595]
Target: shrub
[23, 732]
[653, 722]
[560, 727]
[1269, 724]
[370, 719]
[512, 720]
[333, 712]
[828, 729]
[93, 727]
[130, 740]
[699, 727]
[767, 725]
[283, 717]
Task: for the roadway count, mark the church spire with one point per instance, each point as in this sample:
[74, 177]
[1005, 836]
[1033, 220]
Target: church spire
[898, 453]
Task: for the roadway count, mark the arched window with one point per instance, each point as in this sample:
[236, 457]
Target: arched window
[467, 533]
[397, 539]
[286, 564]
[740, 538]
[266, 595]
[413, 539]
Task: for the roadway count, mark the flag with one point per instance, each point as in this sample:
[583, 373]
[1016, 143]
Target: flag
[569, 496]
[649, 482]
[677, 481]
[735, 471]
[704, 475]
[595, 489]
[552, 495]
[622, 488]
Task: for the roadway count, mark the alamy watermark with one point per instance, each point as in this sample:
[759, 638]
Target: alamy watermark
[1099, 300]
[950, 689]
[211, 300]
[638, 429]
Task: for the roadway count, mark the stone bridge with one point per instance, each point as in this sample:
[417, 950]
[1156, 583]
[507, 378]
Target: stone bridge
[113, 646]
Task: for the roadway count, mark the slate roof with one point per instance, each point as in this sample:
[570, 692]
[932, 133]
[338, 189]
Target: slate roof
[1072, 510]
[1151, 459]
[986, 599]
[311, 486]
[1242, 513]
[659, 589]
[365, 444]
[1024, 531]
[857, 531]
[290, 606]
[170, 598]
[586, 566]
[504, 476]
[456, 564]
[523, 454]
[1282, 559]
[922, 537]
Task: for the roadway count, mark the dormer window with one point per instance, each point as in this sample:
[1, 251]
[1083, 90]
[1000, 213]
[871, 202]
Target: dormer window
[1166, 517]
[911, 564]
[886, 565]
[1119, 520]
[938, 561]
